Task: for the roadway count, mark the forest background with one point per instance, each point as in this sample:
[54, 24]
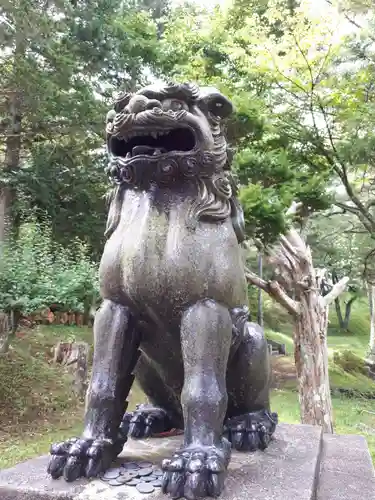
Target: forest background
[301, 77]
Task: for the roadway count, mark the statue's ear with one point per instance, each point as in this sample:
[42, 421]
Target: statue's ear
[213, 101]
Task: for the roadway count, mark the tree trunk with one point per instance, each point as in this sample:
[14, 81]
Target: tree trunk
[4, 333]
[340, 318]
[11, 164]
[339, 313]
[311, 358]
[348, 310]
[310, 311]
[260, 302]
[13, 141]
[5, 204]
[371, 298]
[292, 259]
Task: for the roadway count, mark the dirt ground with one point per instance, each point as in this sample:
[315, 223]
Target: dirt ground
[283, 371]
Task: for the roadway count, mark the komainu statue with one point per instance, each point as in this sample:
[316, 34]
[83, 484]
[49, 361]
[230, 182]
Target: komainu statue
[174, 314]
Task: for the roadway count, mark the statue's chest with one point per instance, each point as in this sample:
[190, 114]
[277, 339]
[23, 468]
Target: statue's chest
[156, 258]
[155, 243]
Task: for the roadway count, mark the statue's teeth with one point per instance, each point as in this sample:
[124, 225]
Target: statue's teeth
[157, 152]
[154, 135]
[128, 155]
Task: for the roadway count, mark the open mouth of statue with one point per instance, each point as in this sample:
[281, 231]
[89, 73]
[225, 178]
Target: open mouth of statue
[153, 143]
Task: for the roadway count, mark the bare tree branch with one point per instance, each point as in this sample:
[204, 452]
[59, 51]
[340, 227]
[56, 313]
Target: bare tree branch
[352, 21]
[307, 63]
[274, 290]
[347, 208]
[337, 290]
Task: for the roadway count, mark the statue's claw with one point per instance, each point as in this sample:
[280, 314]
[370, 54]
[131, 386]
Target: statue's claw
[76, 458]
[251, 431]
[145, 421]
[56, 466]
[196, 472]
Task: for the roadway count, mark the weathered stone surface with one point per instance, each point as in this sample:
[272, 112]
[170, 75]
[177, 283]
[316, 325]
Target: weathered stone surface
[285, 471]
[346, 471]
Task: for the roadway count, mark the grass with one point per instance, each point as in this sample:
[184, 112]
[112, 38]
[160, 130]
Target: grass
[357, 345]
[37, 406]
[35, 397]
[31, 387]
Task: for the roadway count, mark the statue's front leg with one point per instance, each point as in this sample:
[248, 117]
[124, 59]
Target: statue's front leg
[199, 468]
[115, 356]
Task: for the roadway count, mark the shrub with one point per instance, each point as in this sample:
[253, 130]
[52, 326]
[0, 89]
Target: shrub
[36, 273]
[349, 362]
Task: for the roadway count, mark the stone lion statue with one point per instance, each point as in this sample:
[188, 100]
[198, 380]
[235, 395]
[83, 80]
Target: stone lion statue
[174, 314]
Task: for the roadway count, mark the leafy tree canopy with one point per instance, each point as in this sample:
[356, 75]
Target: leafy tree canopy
[61, 61]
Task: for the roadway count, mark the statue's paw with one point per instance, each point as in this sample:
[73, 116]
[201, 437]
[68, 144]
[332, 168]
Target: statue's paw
[196, 472]
[251, 431]
[145, 421]
[77, 457]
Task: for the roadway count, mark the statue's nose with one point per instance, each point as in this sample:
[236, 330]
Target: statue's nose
[139, 103]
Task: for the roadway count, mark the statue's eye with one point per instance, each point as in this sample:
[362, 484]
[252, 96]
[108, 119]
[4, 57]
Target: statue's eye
[213, 102]
[174, 105]
[218, 107]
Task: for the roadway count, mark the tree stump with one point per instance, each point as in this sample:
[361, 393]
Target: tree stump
[74, 355]
[80, 381]
[71, 319]
[79, 319]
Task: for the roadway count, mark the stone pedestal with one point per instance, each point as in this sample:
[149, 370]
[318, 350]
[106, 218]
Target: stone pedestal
[300, 464]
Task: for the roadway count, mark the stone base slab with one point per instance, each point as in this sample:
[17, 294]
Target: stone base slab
[300, 464]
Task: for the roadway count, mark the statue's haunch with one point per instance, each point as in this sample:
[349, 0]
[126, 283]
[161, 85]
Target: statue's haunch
[174, 313]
